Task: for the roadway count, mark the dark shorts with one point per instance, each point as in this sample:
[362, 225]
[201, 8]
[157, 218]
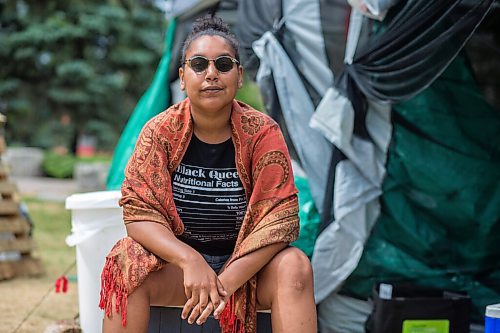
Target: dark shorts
[216, 262]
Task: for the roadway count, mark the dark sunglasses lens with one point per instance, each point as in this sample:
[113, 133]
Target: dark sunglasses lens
[198, 64]
[224, 64]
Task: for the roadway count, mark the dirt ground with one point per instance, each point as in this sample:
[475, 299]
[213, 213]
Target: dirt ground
[19, 296]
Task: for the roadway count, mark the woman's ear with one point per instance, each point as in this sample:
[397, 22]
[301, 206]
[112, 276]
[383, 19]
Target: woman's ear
[181, 78]
[240, 76]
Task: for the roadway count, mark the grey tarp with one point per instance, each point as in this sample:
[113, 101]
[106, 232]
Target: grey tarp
[343, 314]
[302, 21]
[358, 180]
[297, 110]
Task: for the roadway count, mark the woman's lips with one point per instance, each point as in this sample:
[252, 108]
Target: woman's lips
[211, 90]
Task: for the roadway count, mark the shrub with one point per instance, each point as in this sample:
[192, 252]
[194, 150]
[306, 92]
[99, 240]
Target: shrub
[58, 165]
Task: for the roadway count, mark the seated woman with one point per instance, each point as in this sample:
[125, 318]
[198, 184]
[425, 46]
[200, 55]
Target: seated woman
[210, 207]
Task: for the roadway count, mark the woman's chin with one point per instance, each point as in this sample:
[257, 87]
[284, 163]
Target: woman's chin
[213, 104]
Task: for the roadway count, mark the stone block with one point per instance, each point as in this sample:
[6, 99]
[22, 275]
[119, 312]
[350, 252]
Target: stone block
[24, 161]
[91, 176]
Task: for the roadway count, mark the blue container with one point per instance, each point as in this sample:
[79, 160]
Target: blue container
[492, 320]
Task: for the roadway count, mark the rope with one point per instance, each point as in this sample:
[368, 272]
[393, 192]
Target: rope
[37, 305]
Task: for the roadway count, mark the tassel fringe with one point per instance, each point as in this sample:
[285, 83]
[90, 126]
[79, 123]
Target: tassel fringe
[229, 322]
[112, 284]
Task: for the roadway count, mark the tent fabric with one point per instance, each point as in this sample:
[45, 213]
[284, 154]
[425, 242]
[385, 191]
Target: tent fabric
[414, 49]
[330, 271]
[334, 17]
[297, 26]
[343, 314]
[439, 224]
[355, 25]
[297, 110]
[357, 186]
[302, 21]
[176, 8]
[185, 21]
[255, 17]
[273, 109]
[155, 100]
[335, 119]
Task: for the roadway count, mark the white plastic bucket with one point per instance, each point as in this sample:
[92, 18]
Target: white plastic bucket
[96, 225]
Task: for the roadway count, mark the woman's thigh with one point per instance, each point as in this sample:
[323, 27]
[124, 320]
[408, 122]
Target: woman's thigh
[166, 287]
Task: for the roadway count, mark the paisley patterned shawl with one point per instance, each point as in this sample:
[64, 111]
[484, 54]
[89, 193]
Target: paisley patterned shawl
[264, 167]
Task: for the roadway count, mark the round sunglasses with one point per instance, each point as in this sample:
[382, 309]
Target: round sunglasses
[223, 64]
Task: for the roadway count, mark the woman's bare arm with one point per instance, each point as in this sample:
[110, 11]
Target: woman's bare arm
[162, 242]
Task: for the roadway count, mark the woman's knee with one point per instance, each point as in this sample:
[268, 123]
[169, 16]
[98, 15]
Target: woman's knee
[294, 270]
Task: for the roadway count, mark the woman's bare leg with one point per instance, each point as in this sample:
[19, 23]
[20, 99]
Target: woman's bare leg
[163, 288]
[285, 285]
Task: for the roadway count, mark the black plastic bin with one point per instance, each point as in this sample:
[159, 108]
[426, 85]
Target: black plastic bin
[413, 309]
[168, 320]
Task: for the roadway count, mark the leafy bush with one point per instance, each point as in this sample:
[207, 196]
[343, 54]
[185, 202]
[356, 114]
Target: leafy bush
[58, 165]
[61, 165]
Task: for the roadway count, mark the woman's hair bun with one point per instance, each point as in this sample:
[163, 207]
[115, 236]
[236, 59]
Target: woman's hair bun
[209, 22]
[209, 25]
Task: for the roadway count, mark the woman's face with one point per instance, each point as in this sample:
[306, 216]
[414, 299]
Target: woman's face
[210, 90]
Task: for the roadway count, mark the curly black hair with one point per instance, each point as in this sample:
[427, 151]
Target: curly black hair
[209, 25]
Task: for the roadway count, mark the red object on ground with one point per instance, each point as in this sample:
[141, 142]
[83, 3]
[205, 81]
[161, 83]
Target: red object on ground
[62, 284]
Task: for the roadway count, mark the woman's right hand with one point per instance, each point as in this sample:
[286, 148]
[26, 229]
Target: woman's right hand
[201, 286]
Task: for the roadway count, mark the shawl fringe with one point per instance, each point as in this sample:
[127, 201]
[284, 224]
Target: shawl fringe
[112, 284]
[229, 321]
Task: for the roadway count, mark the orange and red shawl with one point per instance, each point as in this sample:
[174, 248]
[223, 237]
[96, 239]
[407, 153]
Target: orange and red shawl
[263, 164]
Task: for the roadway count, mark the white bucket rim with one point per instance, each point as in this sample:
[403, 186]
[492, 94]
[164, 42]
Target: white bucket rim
[93, 200]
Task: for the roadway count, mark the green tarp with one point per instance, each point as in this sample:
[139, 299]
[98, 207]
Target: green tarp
[155, 100]
[439, 224]
[309, 218]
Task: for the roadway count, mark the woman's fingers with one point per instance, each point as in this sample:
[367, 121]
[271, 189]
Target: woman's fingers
[190, 304]
[218, 310]
[194, 314]
[187, 308]
[215, 296]
[204, 315]
[203, 300]
[188, 292]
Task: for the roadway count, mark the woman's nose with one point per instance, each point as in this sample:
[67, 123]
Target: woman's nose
[212, 72]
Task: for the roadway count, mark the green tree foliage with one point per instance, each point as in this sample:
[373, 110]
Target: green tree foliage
[89, 60]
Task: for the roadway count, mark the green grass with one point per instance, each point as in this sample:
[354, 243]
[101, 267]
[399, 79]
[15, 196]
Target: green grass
[51, 225]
